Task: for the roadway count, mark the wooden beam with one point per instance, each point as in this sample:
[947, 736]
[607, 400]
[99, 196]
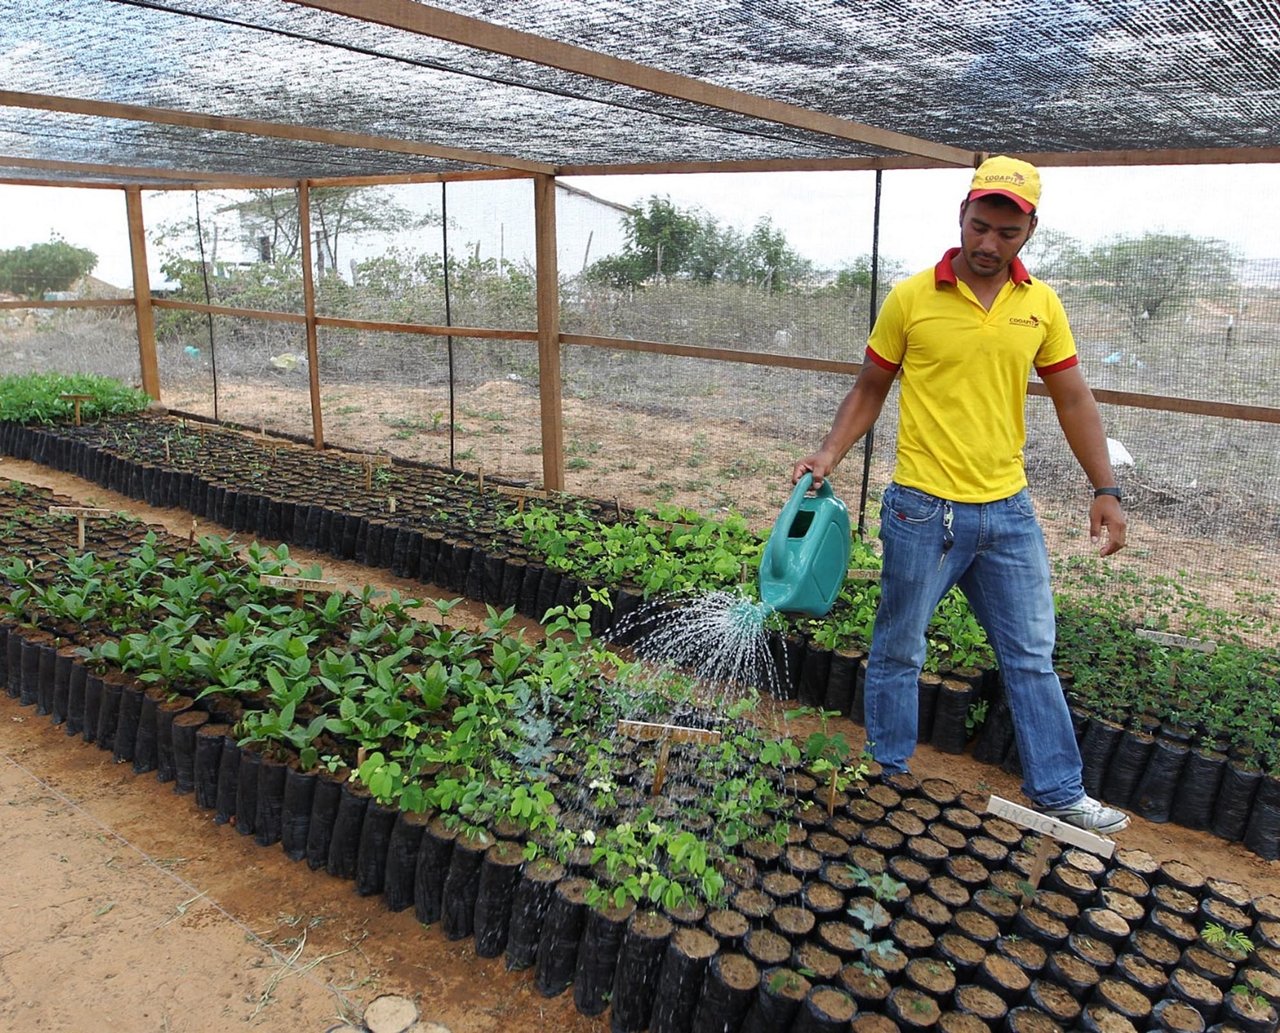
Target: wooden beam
[75, 303]
[663, 168]
[1133, 400]
[548, 303]
[257, 127]
[142, 294]
[191, 180]
[411, 16]
[309, 307]
[394, 179]
[1184, 406]
[1046, 159]
[689, 351]
[495, 333]
[227, 310]
[1167, 156]
[188, 177]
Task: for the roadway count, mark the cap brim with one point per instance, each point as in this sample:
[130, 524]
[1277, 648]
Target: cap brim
[1022, 203]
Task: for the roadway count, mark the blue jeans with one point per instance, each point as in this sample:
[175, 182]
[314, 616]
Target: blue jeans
[997, 557]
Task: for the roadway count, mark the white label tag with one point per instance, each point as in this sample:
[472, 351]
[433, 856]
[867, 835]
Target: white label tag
[1166, 638]
[1043, 824]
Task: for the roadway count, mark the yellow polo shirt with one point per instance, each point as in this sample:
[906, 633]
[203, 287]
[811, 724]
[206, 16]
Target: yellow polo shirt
[961, 425]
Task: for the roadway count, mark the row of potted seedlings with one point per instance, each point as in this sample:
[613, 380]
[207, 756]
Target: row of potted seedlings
[478, 778]
[1171, 733]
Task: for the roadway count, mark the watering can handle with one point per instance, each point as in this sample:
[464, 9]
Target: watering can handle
[788, 514]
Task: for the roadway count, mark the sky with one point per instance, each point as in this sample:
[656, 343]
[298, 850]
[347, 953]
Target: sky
[826, 216]
[827, 213]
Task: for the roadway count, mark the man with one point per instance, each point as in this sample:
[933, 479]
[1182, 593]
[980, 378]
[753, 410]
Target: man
[965, 336]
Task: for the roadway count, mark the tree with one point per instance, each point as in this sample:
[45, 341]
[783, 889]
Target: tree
[270, 217]
[766, 260]
[1156, 276]
[1158, 273]
[854, 279]
[54, 266]
[1054, 255]
[665, 243]
[661, 238]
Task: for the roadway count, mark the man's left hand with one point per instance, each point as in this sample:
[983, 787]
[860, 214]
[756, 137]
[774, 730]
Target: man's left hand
[1107, 514]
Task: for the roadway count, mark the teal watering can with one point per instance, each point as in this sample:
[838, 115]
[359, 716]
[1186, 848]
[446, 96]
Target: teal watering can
[807, 555]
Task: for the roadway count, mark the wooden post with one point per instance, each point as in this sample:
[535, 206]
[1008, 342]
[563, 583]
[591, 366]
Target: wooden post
[548, 295]
[660, 767]
[143, 312]
[309, 309]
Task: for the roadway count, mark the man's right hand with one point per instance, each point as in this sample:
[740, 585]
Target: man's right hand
[820, 464]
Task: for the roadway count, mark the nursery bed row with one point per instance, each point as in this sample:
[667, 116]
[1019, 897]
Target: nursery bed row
[890, 904]
[439, 528]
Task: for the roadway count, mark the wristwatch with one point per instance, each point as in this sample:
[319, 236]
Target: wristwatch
[1099, 492]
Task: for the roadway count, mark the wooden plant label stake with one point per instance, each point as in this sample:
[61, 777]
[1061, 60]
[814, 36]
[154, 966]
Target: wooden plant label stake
[76, 400]
[863, 575]
[660, 768]
[1038, 865]
[299, 585]
[1046, 827]
[391, 503]
[1165, 638]
[521, 493]
[649, 731]
[191, 535]
[81, 513]
[168, 458]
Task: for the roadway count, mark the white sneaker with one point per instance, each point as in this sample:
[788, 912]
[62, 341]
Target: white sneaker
[1090, 815]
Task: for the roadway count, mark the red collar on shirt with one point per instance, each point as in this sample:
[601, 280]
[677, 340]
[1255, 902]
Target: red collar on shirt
[944, 273]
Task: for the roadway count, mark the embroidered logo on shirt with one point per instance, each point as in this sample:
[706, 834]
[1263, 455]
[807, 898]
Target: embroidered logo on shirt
[1029, 321]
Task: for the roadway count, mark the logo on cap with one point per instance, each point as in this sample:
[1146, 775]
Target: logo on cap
[1009, 177]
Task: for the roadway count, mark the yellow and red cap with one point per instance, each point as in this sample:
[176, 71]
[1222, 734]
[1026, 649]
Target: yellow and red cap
[1009, 177]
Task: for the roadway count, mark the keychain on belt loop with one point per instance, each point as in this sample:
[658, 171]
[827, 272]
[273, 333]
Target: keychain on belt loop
[948, 535]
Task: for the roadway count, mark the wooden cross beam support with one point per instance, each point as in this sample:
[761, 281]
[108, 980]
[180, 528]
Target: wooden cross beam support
[1047, 828]
[81, 513]
[76, 400]
[298, 585]
[649, 731]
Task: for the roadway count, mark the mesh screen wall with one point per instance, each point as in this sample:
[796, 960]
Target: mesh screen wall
[1164, 312]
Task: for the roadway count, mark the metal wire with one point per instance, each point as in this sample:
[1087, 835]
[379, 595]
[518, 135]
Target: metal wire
[869, 442]
[208, 300]
[448, 309]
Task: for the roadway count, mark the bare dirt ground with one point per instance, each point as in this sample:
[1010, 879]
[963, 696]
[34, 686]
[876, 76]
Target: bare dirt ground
[128, 909]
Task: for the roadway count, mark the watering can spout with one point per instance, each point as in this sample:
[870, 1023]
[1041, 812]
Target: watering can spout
[807, 555]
